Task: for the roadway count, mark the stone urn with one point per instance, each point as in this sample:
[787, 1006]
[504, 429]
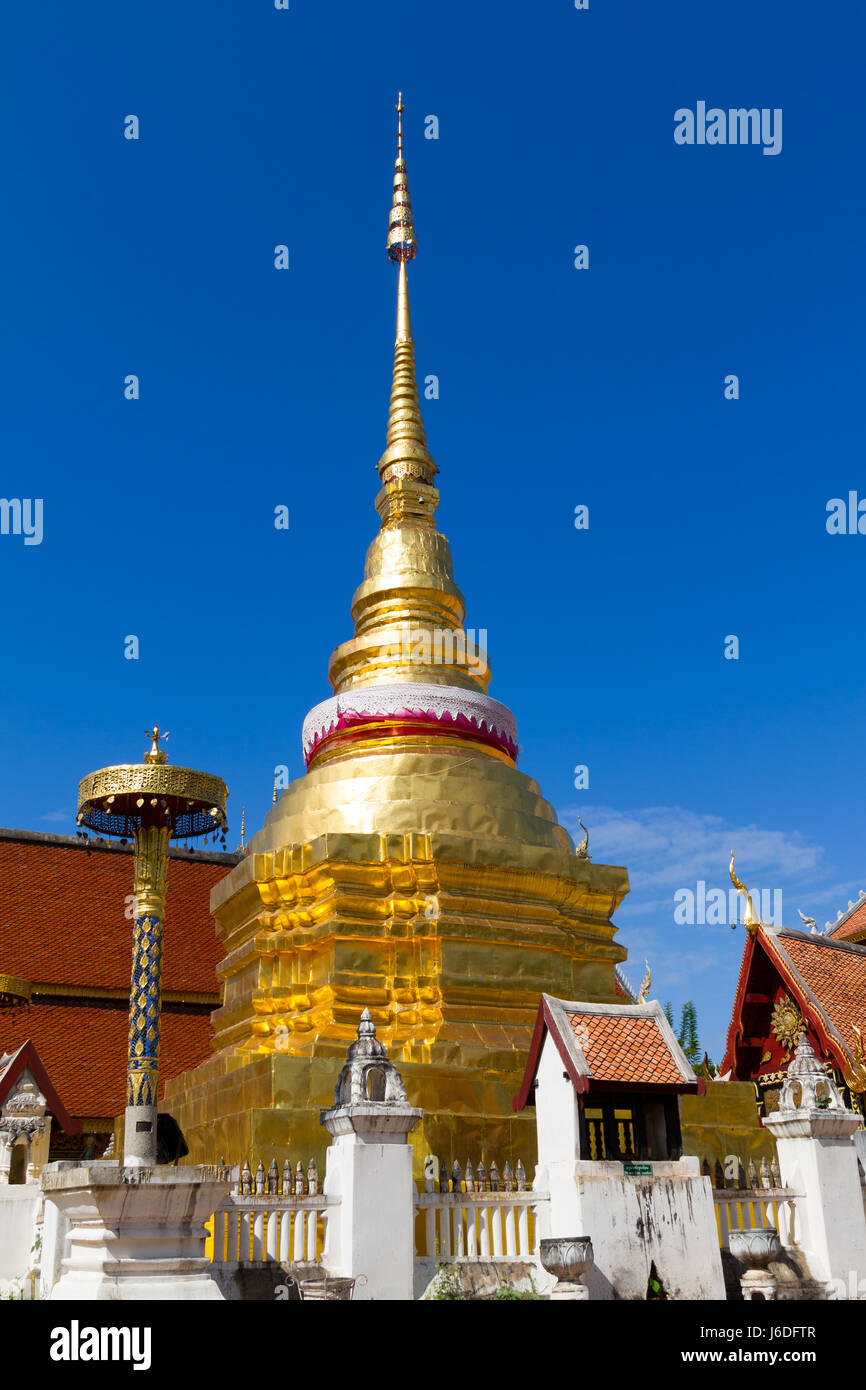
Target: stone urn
[756, 1247]
[567, 1258]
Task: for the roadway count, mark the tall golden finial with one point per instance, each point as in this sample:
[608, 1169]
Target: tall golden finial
[155, 754]
[243, 826]
[646, 986]
[752, 921]
[406, 454]
[274, 797]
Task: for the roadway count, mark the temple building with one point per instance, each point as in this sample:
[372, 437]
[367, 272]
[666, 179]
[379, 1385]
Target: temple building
[413, 869]
[64, 904]
[795, 983]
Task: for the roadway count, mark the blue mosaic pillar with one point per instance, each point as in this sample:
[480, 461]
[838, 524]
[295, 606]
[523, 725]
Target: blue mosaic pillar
[145, 997]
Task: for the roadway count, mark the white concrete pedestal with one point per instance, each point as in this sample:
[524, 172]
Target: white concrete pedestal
[817, 1158]
[371, 1234]
[135, 1233]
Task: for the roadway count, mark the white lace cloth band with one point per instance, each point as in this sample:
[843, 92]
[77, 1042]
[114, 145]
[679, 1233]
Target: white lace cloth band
[424, 703]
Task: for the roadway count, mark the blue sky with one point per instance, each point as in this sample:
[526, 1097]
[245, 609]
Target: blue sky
[558, 387]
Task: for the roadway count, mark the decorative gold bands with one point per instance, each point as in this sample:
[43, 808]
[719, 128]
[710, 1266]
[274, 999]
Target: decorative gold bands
[153, 779]
[14, 991]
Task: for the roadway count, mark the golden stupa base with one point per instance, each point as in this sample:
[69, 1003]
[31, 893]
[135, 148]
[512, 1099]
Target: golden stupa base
[269, 1106]
[448, 938]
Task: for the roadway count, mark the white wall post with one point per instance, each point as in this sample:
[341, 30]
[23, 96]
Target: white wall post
[368, 1185]
[814, 1132]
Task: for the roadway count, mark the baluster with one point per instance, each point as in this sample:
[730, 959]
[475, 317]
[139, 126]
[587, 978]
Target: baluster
[312, 1177]
[523, 1249]
[246, 1237]
[444, 1214]
[271, 1234]
[484, 1221]
[285, 1231]
[312, 1233]
[299, 1243]
[457, 1209]
[471, 1209]
[430, 1232]
[258, 1232]
[510, 1229]
[497, 1211]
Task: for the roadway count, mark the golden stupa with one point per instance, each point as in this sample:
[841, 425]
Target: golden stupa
[413, 870]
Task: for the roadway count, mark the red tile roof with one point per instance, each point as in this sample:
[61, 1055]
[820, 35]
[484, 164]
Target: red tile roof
[619, 1048]
[83, 1047]
[63, 926]
[62, 917]
[837, 978]
[616, 1045]
[852, 924]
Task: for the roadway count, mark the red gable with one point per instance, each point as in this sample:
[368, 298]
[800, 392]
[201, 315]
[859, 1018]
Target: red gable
[826, 980]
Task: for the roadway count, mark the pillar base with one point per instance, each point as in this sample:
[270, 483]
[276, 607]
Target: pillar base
[139, 1136]
[569, 1291]
[136, 1232]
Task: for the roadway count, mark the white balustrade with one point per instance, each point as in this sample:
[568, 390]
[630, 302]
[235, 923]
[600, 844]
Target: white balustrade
[259, 1222]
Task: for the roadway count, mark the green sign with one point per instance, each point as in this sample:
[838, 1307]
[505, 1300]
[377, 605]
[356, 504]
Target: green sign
[637, 1170]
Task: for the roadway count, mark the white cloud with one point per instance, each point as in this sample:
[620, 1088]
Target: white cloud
[666, 848]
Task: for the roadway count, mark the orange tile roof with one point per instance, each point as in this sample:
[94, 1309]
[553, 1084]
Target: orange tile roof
[62, 917]
[837, 978]
[83, 1047]
[851, 924]
[62, 924]
[622, 1048]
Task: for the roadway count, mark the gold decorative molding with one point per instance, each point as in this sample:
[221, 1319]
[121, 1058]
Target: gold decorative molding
[14, 991]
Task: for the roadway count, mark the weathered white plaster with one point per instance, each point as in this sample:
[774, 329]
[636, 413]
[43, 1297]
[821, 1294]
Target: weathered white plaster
[19, 1211]
[135, 1232]
[634, 1222]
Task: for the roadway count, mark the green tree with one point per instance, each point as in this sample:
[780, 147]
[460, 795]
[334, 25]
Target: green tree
[687, 1033]
[688, 1037]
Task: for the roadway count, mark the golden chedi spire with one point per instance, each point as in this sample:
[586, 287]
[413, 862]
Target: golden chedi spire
[410, 660]
[406, 454]
[412, 869]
